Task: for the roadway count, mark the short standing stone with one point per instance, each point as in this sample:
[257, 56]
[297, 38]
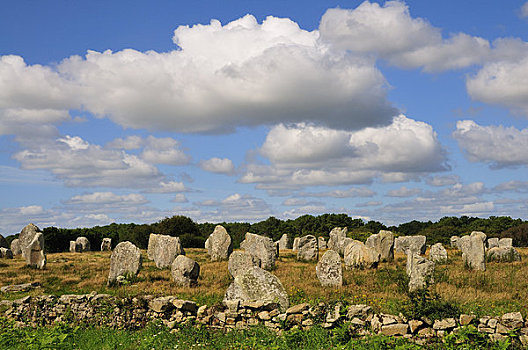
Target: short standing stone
[383, 242]
[125, 261]
[453, 241]
[473, 251]
[308, 250]
[329, 270]
[240, 262]
[258, 285]
[493, 242]
[166, 249]
[321, 242]
[219, 244]
[185, 271]
[295, 246]
[438, 253]
[74, 247]
[359, 256]
[84, 244]
[262, 248]
[15, 247]
[34, 252]
[506, 242]
[284, 242]
[503, 254]
[6, 253]
[410, 244]
[26, 236]
[3, 242]
[420, 271]
[106, 244]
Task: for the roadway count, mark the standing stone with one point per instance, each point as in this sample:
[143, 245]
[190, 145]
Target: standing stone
[26, 236]
[185, 271]
[383, 242]
[106, 244]
[3, 242]
[240, 262]
[152, 245]
[410, 244]
[258, 285]
[453, 241]
[34, 252]
[463, 243]
[15, 247]
[284, 242]
[262, 248]
[420, 271]
[473, 251]
[219, 244]
[84, 244]
[125, 261]
[503, 254]
[308, 250]
[321, 242]
[206, 245]
[438, 253]
[506, 242]
[74, 247]
[6, 253]
[296, 244]
[165, 250]
[337, 237]
[493, 242]
[359, 256]
[329, 270]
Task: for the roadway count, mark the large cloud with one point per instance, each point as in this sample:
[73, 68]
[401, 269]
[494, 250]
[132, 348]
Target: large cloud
[497, 146]
[303, 155]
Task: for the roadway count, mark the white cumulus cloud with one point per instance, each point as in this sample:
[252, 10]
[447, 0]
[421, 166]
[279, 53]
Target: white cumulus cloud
[218, 165]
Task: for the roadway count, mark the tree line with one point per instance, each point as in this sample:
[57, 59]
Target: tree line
[193, 235]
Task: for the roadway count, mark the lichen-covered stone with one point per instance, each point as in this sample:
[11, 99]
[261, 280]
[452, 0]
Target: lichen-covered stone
[358, 256]
[185, 271]
[262, 248]
[473, 250]
[84, 244]
[106, 244]
[219, 244]
[383, 242]
[164, 249]
[34, 252]
[125, 261]
[240, 262]
[284, 242]
[321, 242]
[420, 271]
[308, 249]
[329, 270]
[438, 253]
[493, 242]
[26, 236]
[337, 241]
[257, 284]
[410, 244]
[151, 245]
[15, 247]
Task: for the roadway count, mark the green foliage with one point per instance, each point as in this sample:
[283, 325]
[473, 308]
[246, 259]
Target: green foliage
[422, 303]
[519, 233]
[468, 338]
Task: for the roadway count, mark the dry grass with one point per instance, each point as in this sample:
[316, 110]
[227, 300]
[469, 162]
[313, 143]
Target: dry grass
[502, 288]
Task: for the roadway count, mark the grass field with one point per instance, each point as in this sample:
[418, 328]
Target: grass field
[501, 288]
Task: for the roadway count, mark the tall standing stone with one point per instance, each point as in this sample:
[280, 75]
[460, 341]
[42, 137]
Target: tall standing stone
[420, 271]
[383, 242]
[34, 252]
[359, 256]
[284, 242]
[185, 271]
[308, 250]
[262, 248]
[438, 253]
[258, 285]
[321, 242]
[410, 244]
[165, 250]
[3, 242]
[474, 250]
[106, 244]
[84, 244]
[26, 236]
[337, 239]
[240, 262]
[15, 247]
[296, 244]
[219, 244]
[151, 248]
[329, 270]
[125, 261]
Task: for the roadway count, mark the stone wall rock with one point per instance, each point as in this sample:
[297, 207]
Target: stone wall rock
[383, 242]
[219, 244]
[125, 261]
[185, 271]
[308, 249]
[262, 248]
[329, 270]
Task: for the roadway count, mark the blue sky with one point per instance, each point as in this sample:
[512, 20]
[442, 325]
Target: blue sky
[236, 111]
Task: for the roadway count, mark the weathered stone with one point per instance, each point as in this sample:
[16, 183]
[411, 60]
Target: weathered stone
[25, 287]
[151, 248]
[295, 246]
[383, 242]
[161, 304]
[165, 249]
[297, 309]
[26, 236]
[447, 323]
[358, 256]
[106, 244]
[240, 262]
[3, 242]
[505, 242]
[410, 244]
[220, 244]
[420, 271]
[284, 242]
[464, 319]
[15, 247]
[329, 270]
[125, 261]
[308, 250]
[503, 254]
[501, 329]
[84, 244]
[34, 252]
[185, 271]
[321, 243]
[426, 333]
[473, 250]
[262, 248]
[512, 320]
[394, 329]
[337, 241]
[438, 253]
[359, 310]
[74, 248]
[493, 242]
[6, 253]
[414, 325]
[258, 285]
[453, 241]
